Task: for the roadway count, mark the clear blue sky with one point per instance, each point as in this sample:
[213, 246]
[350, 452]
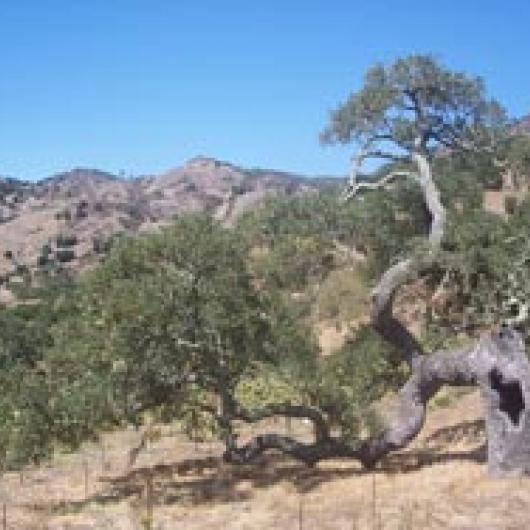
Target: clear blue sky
[142, 85]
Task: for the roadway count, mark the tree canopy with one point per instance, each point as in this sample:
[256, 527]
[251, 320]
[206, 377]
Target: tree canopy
[416, 102]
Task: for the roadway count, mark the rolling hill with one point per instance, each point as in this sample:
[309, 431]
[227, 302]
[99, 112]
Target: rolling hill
[71, 216]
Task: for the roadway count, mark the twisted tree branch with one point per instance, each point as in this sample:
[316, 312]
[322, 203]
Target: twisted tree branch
[501, 351]
[383, 320]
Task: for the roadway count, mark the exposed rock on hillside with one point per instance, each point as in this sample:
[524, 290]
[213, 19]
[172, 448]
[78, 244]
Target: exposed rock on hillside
[70, 217]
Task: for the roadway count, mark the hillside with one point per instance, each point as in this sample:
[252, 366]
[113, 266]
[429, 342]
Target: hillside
[523, 125]
[71, 216]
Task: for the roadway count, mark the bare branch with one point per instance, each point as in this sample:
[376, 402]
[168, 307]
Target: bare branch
[365, 152]
[385, 155]
[309, 453]
[291, 411]
[365, 185]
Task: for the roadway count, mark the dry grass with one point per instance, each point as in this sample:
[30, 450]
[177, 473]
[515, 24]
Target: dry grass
[440, 482]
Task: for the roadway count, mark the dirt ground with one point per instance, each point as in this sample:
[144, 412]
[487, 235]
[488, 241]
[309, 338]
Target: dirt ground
[439, 482]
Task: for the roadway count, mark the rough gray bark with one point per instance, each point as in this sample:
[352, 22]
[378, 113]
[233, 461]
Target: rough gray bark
[503, 374]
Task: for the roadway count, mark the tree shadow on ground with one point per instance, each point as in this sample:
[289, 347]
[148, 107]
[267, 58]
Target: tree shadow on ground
[466, 431]
[209, 480]
[434, 448]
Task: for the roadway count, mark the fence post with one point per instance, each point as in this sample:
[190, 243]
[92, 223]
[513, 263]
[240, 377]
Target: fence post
[149, 499]
[85, 473]
[288, 425]
[103, 456]
[374, 503]
[301, 513]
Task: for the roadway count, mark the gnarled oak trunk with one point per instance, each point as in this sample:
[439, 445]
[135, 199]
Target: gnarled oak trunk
[499, 366]
[504, 379]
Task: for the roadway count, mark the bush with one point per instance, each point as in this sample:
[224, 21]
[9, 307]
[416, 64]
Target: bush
[64, 255]
[510, 204]
[42, 260]
[353, 378]
[101, 245]
[81, 210]
[64, 214]
[343, 295]
[63, 240]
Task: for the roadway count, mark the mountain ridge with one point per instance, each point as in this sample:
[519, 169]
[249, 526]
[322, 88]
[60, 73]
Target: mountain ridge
[88, 207]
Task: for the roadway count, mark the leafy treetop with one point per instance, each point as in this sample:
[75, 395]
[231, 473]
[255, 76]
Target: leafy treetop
[416, 103]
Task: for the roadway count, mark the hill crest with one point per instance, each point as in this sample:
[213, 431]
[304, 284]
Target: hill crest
[92, 206]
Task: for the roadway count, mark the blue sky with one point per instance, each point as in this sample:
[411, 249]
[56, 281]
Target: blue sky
[143, 85]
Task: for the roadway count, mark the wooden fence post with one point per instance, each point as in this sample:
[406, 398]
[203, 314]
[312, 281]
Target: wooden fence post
[149, 500]
[85, 473]
[301, 513]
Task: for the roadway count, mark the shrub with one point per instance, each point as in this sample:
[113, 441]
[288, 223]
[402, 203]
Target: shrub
[343, 294]
[510, 204]
[63, 214]
[64, 255]
[101, 245]
[66, 240]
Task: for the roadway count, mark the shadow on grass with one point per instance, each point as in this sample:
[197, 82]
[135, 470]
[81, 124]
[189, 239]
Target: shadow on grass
[466, 431]
[209, 480]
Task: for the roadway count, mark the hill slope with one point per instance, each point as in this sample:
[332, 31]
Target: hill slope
[86, 207]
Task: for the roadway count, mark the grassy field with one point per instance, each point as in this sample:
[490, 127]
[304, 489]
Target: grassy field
[439, 482]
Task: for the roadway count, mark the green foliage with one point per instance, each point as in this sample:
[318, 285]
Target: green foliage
[27, 421]
[462, 180]
[166, 316]
[389, 224]
[64, 255]
[66, 240]
[264, 385]
[21, 336]
[343, 295]
[452, 106]
[487, 259]
[291, 236]
[25, 424]
[353, 378]
[295, 238]
[168, 324]
[517, 158]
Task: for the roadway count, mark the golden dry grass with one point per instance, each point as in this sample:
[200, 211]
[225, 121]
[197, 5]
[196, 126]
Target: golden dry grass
[440, 482]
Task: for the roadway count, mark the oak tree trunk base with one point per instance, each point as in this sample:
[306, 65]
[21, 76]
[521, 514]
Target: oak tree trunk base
[506, 395]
